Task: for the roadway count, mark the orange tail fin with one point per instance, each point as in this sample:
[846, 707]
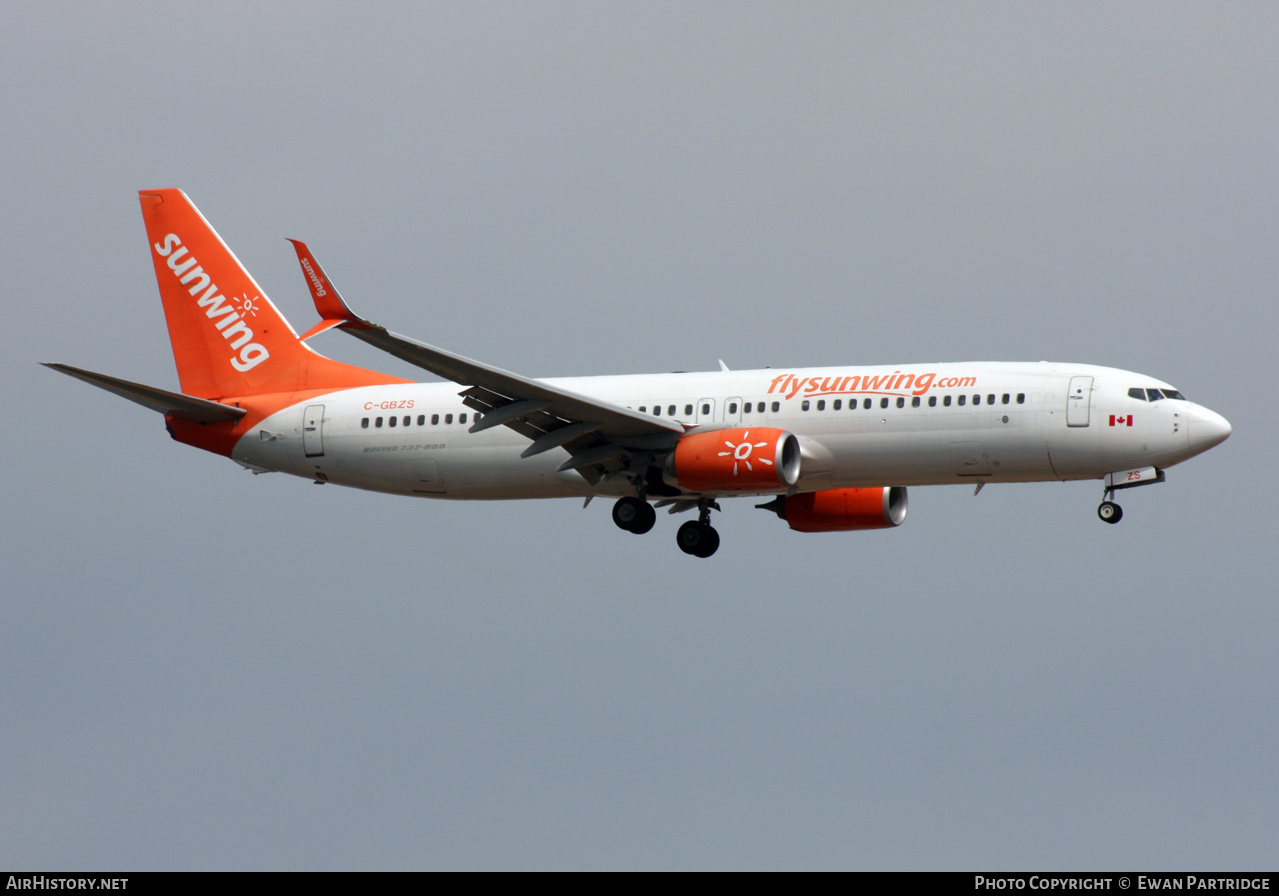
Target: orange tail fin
[228, 339]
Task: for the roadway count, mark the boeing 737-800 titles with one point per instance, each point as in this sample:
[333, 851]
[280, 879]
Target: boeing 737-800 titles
[833, 449]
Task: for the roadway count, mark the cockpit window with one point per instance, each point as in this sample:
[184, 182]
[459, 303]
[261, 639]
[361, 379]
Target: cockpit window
[1173, 393]
[1154, 394]
[1139, 394]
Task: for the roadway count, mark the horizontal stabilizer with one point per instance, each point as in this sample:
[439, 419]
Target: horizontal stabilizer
[172, 404]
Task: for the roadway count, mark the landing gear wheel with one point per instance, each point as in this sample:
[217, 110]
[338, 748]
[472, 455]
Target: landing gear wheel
[626, 511]
[1110, 512]
[698, 539]
[634, 515]
[647, 517]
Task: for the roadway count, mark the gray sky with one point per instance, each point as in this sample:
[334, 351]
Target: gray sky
[200, 668]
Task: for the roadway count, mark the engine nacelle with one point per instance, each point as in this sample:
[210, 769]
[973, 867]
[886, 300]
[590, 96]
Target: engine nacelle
[842, 509]
[745, 459]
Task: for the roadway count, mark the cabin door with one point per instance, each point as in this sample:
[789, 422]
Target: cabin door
[313, 430]
[1077, 400]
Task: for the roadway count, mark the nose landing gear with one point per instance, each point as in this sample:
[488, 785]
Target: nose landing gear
[1109, 511]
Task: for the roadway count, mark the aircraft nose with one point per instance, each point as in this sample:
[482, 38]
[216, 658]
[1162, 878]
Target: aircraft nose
[1207, 428]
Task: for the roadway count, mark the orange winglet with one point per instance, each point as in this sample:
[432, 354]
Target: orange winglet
[332, 308]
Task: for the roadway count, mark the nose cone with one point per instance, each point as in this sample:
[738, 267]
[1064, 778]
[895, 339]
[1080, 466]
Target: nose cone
[1207, 428]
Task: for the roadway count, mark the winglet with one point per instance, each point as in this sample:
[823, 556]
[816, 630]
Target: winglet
[332, 308]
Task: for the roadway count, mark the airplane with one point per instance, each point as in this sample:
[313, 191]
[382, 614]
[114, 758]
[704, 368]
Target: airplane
[833, 449]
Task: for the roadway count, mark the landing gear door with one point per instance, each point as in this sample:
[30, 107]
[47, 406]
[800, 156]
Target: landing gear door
[1077, 400]
[313, 430]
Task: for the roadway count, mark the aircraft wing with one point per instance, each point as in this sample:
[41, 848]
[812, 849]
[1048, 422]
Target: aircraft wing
[173, 404]
[598, 434]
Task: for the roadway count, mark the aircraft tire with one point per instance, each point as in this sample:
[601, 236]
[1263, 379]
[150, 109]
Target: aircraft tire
[646, 519]
[697, 539]
[1110, 512]
[628, 512]
[710, 543]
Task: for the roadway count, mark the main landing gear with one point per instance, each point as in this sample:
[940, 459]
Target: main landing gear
[634, 515]
[696, 537]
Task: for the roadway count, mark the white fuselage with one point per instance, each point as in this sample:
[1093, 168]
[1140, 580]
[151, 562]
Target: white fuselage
[926, 424]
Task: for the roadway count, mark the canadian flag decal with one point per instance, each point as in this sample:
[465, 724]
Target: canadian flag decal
[1121, 421]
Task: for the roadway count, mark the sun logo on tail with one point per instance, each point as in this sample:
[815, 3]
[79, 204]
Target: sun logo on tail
[742, 452]
[247, 305]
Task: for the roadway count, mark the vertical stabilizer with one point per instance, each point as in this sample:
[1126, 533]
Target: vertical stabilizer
[228, 338]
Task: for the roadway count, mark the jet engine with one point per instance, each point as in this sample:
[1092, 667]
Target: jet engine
[842, 509]
[745, 459]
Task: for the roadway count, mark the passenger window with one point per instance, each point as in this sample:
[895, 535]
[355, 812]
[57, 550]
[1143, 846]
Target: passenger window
[670, 412]
[644, 409]
[688, 410]
[990, 399]
[976, 399]
[804, 406]
[391, 421]
[1021, 397]
[732, 408]
[421, 419]
[901, 402]
[706, 409]
[408, 420]
[883, 402]
[932, 401]
[914, 402]
[461, 419]
[837, 405]
[776, 407]
[378, 423]
[448, 418]
[962, 399]
[946, 401]
[657, 410]
[364, 424]
[1006, 397]
[821, 405]
[866, 405]
[746, 408]
[435, 419]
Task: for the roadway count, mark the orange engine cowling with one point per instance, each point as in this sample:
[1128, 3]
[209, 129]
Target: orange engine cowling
[842, 509]
[746, 459]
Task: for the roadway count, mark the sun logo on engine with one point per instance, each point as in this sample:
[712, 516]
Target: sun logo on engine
[741, 452]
